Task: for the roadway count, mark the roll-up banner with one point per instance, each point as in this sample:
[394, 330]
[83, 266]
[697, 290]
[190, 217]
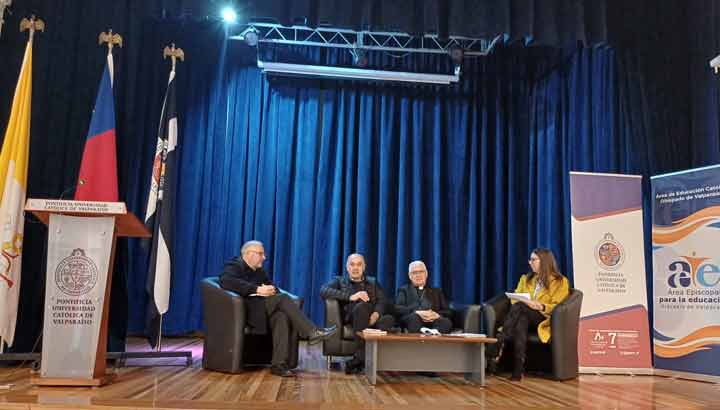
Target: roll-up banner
[686, 273]
[609, 268]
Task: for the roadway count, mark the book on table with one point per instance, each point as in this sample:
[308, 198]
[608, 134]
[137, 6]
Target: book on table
[374, 332]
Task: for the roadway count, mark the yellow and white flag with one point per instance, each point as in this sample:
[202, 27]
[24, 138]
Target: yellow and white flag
[13, 186]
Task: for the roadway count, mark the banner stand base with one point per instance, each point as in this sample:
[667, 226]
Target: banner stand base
[629, 371]
[688, 376]
[122, 356]
[119, 357]
[14, 357]
[65, 381]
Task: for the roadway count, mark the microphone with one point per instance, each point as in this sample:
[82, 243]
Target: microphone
[72, 188]
[67, 190]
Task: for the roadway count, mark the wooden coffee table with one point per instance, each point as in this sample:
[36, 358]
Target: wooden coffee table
[413, 352]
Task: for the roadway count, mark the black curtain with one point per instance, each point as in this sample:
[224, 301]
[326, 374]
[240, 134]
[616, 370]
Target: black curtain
[68, 64]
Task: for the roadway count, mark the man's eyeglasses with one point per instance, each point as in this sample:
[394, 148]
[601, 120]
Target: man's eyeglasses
[417, 272]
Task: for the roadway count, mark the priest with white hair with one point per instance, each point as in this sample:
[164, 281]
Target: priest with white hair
[418, 305]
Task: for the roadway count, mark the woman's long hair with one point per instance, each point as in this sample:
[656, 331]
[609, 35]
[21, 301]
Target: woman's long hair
[548, 270]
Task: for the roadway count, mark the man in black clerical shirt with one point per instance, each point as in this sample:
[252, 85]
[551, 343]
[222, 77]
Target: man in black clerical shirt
[419, 305]
[245, 276]
[362, 303]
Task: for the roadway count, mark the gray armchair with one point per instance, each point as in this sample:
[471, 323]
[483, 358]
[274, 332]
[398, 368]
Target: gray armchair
[560, 355]
[465, 317]
[229, 344]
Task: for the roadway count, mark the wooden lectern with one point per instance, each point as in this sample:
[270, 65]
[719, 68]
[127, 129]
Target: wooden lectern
[81, 255]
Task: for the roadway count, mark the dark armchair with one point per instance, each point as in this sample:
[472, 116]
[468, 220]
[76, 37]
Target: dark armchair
[341, 343]
[230, 345]
[465, 317]
[560, 355]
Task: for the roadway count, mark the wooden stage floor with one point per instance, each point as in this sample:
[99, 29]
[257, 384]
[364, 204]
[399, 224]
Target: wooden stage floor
[168, 384]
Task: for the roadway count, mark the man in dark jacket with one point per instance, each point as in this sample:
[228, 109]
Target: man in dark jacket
[264, 304]
[418, 305]
[363, 305]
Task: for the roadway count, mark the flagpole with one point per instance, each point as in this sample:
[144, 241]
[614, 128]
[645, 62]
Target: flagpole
[31, 25]
[174, 53]
[158, 347]
[161, 301]
[111, 39]
[114, 39]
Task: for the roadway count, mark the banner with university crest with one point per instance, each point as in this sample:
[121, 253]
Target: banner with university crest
[609, 268]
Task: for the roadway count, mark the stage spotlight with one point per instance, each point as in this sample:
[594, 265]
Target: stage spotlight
[714, 63]
[229, 15]
[456, 55]
[251, 37]
[360, 58]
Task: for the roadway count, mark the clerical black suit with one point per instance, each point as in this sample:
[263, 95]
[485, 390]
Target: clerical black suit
[358, 312]
[410, 298]
[279, 309]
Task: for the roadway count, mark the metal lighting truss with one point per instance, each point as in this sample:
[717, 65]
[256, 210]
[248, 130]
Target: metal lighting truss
[357, 42]
[366, 40]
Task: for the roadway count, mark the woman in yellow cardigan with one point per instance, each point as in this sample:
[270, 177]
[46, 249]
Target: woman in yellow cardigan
[547, 287]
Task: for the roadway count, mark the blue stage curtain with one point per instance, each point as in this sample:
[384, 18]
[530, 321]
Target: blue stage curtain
[468, 178]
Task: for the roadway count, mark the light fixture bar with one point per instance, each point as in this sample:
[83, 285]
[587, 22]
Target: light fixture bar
[354, 73]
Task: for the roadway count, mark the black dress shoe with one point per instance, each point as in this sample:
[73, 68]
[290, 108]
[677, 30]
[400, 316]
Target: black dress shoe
[353, 366]
[492, 366]
[281, 371]
[518, 369]
[321, 334]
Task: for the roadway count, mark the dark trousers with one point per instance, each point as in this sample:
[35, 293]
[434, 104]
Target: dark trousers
[285, 316]
[413, 323]
[518, 322]
[358, 314]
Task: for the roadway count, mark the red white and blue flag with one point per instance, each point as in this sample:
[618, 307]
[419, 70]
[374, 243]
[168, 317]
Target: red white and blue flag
[98, 170]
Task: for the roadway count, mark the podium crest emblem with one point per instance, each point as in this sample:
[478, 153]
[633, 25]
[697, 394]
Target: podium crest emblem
[77, 274]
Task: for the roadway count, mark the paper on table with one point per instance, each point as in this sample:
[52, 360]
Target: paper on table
[518, 296]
